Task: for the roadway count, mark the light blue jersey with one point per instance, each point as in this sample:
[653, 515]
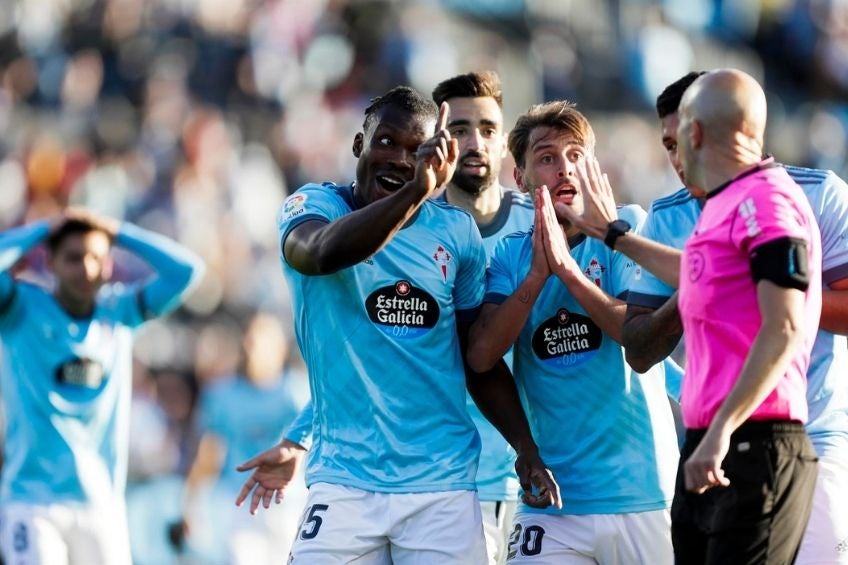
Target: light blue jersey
[672, 219]
[66, 381]
[247, 418]
[604, 430]
[496, 478]
[379, 340]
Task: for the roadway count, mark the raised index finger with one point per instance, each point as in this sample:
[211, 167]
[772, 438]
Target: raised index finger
[442, 122]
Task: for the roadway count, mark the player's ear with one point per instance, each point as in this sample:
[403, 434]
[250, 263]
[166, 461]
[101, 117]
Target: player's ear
[357, 145]
[518, 175]
[697, 134]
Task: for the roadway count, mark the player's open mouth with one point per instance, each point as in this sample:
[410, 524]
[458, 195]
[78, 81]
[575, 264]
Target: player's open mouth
[475, 166]
[565, 192]
[390, 183]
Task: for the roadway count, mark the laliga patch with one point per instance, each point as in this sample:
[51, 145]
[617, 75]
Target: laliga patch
[402, 310]
[566, 339]
[293, 206]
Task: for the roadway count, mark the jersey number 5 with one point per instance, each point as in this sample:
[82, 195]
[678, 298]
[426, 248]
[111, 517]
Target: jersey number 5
[312, 522]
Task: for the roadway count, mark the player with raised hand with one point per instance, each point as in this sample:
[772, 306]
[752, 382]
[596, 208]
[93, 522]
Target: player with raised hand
[392, 468]
[66, 381]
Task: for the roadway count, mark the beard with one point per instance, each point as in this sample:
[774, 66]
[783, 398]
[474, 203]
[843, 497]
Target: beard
[474, 185]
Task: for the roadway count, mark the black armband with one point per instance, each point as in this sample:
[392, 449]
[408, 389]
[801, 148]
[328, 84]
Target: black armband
[782, 261]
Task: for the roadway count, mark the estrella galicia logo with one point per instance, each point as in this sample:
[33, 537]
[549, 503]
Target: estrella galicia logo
[566, 339]
[402, 310]
[84, 373]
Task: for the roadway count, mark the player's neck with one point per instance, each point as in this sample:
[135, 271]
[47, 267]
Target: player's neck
[483, 207]
[75, 308]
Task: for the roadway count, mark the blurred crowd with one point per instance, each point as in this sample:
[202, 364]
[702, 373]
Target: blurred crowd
[195, 118]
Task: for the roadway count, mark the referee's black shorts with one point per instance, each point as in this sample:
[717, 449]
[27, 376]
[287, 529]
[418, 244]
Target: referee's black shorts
[760, 518]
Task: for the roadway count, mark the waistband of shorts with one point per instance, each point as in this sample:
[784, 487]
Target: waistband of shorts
[755, 429]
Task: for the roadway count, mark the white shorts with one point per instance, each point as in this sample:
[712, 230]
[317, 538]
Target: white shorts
[825, 540]
[605, 539]
[347, 525]
[64, 534]
[497, 525]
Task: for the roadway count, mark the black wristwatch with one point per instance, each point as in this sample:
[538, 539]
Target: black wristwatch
[615, 230]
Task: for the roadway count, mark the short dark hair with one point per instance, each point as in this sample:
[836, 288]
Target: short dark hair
[71, 226]
[470, 85]
[559, 114]
[669, 99]
[403, 97]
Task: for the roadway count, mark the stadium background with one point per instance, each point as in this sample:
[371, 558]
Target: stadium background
[196, 117]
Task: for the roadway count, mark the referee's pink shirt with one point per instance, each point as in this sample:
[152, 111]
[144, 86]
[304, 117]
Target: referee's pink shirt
[718, 297]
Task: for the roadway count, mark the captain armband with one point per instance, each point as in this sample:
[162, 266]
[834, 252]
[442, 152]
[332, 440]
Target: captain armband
[782, 261]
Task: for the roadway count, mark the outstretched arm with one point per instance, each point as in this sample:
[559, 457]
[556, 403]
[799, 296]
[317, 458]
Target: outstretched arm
[834, 316]
[177, 268]
[650, 335]
[661, 260]
[316, 247]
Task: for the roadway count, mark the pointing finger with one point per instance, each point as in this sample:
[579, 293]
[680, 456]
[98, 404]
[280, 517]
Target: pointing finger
[442, 122]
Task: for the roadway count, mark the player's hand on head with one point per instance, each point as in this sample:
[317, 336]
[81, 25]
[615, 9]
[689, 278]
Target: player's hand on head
[273, 471]
[599, 207]
[540, 488]
[99, 221]
[438, 156]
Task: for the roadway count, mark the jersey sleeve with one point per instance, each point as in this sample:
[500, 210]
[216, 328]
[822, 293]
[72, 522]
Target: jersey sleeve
[624, 268]
[471, 276]
[646, 289]
[764, 216]
[300, 430]
[834, 230]
[500, 276]
[178, 271]
[310, 202]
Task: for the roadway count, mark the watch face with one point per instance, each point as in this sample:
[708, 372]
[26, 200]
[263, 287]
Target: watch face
[621, 226]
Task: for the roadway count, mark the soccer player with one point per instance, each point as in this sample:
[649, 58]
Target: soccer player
[476, 122]
[606, 431]
[66, 381]
[750, 300]
[385, 283]
[653, 327]
[240, 415]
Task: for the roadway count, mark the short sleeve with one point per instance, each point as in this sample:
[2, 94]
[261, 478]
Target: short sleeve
[500, 276]
[765, 215]
[646, 289]
[310, 202]
[471, 277]
[623, 268]
[300, 430]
